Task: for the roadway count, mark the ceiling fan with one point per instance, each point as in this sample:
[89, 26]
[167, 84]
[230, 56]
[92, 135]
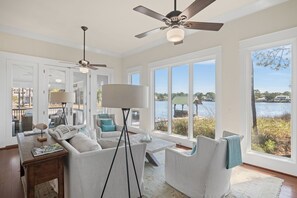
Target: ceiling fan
[85, 65]
[177, 19]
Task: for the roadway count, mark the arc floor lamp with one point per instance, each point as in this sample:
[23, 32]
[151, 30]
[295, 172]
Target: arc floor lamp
[125, 97]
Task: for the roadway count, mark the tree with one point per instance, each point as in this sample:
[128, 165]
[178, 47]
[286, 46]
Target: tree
[275, 58]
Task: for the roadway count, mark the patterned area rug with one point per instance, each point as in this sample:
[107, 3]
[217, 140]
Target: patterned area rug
[245, 184]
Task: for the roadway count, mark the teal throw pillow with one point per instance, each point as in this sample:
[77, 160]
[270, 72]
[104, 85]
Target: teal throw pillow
[106, 122]
[107, 128]
[194, 149]
[103, 115]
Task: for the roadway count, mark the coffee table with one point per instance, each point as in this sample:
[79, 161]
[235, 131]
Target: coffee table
[152, 147]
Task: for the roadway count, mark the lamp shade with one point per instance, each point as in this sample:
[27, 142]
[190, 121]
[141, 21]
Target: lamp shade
[124, 96]
[62, 97]
[175, 34]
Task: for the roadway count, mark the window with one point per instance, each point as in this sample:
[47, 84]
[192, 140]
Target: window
[204, 103]
[179, 100]
[271, 100]
[269, 114]
[135, 114]
[185, 95]
[161, 100]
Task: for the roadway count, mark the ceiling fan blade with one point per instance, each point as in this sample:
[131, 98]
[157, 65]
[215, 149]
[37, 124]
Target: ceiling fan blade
[179, 42]
[91, 67]
[203, 25]
[97, 65]
[144, 34]
[195, 7]
[150, 13]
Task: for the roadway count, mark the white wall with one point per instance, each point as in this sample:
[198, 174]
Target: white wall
[283, 16]
[35, 48]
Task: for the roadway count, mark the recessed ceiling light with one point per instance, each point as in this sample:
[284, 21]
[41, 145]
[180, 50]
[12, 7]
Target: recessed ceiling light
[58, 80]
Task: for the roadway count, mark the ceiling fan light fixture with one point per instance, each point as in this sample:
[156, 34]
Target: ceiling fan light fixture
[83, 70]
[175, 34]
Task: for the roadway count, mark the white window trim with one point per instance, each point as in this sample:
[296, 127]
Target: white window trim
[284, 37]
[188, 59]
[130, 72]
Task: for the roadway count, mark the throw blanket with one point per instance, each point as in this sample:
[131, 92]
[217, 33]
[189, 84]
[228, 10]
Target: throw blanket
[233, 151]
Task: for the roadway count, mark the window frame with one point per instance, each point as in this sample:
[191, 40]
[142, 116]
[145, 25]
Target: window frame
[285, 37]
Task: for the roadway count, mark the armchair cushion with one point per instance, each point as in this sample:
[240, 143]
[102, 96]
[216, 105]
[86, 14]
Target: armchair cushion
[108, 128]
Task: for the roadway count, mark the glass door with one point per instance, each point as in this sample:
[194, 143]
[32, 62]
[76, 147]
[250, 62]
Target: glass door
[57, 82]
[98, 78]
[79, 115]
[23, 91]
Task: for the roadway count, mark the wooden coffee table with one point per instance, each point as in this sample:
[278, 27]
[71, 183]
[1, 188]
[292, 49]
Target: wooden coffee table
[152, 147]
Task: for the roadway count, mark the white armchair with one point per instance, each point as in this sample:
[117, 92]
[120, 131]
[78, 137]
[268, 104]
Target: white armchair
[202, 174]
[109, 134]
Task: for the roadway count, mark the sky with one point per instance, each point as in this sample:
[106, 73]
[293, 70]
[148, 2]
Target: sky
[204, 78]
[268, 79]
[265, 78]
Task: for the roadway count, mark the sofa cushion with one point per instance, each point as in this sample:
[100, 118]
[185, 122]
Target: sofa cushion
[82, 143]
[108, 128]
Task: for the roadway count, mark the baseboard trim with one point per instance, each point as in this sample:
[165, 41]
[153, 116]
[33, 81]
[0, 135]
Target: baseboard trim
[9, 147]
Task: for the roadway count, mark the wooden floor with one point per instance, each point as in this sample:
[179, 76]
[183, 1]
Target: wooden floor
[11, 187]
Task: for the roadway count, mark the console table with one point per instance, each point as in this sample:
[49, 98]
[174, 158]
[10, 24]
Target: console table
[42, 168]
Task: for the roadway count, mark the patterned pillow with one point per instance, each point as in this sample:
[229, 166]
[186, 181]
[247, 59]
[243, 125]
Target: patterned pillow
[64, 132]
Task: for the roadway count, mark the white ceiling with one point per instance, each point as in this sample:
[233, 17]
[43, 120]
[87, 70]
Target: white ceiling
[112, 23]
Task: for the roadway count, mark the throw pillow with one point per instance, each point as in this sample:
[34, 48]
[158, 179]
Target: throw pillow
[103, 115]
[83, 144]
[106, 122]
[64, 132]
[107, 128]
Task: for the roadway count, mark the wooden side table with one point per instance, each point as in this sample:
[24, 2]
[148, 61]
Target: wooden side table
[42, 168]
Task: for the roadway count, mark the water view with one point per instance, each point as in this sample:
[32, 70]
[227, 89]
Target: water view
[207, 109]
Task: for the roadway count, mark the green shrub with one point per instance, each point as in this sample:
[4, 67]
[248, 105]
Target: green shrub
[274, 135]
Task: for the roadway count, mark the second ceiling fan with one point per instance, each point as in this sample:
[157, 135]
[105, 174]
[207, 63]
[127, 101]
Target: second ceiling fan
[177, 19]
[85, 65]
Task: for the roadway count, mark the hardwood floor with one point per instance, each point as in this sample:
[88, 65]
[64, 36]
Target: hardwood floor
[11, 187]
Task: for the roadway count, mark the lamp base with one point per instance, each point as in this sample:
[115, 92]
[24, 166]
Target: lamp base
[42, 139]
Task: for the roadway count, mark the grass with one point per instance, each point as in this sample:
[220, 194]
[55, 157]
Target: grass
[274, 134]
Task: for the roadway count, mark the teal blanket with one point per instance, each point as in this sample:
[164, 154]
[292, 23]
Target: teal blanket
[233, 151]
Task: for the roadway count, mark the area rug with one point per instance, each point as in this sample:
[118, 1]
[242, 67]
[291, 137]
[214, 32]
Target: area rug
[245, 184]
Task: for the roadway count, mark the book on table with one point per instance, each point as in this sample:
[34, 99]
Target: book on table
[46, 149]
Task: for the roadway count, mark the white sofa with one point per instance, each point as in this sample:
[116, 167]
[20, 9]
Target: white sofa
[202, 174]
[86, 172]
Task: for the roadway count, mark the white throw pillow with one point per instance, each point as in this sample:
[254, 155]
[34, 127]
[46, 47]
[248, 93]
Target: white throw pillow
[82, 143]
